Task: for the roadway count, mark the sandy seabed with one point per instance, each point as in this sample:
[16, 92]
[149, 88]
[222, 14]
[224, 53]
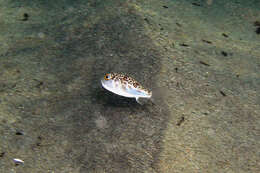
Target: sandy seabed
[203, 57]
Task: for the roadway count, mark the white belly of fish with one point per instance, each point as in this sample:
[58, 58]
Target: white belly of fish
[125, 91]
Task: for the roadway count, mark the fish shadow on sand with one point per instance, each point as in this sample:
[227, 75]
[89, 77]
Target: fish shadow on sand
[106, 98]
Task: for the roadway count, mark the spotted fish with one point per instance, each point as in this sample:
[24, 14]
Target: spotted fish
[126, 86]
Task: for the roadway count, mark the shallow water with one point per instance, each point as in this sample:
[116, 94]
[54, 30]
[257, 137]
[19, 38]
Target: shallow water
[203, 56]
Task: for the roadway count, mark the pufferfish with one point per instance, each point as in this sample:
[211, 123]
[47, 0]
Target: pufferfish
[126, 86]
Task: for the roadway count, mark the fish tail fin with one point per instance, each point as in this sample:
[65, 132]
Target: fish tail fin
[138, 100]
[142, 100]
[152, 100]
[158, 95]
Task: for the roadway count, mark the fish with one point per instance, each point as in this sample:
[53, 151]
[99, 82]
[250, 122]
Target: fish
[18, 161]
[125, 86]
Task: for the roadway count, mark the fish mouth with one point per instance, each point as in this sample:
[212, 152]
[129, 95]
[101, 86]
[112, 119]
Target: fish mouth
[102, 82]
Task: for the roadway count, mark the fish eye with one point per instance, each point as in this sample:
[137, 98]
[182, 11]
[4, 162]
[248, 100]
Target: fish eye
[107, 77]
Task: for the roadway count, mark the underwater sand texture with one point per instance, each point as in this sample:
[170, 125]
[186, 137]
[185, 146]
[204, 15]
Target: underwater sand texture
[203, 56]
